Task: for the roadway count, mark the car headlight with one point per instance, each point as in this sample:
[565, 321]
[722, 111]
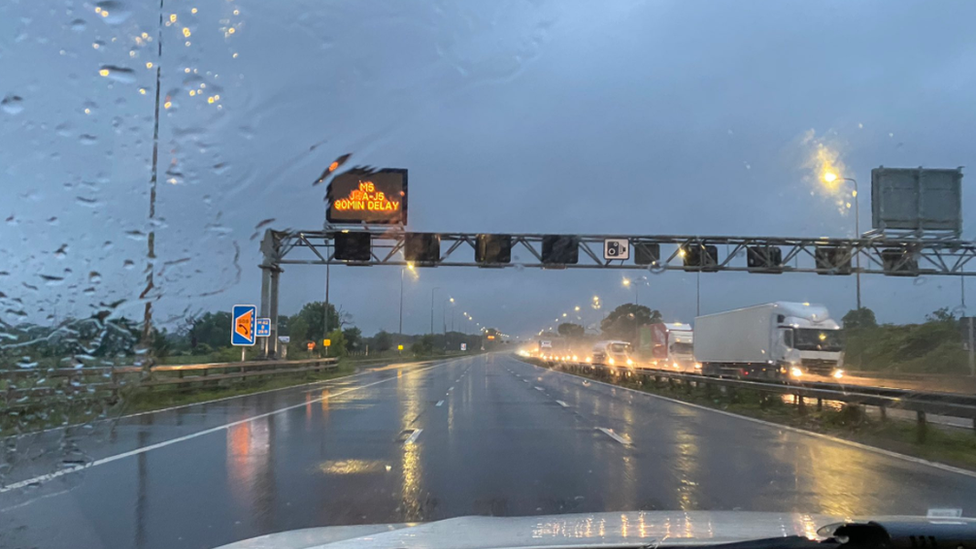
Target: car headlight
[674, 365]
[574, 358]
[610, 360]
[589, 360]
[630, 362]
[698, 365]
[796, 372]
[838, 374]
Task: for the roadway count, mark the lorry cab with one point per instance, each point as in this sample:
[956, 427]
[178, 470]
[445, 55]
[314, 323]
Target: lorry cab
[811, 341]
[612, 353]
[673, 347]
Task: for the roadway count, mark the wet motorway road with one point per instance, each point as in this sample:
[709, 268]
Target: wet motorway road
[477, 435]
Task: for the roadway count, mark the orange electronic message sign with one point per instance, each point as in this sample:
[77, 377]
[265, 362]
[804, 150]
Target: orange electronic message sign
[364, 196]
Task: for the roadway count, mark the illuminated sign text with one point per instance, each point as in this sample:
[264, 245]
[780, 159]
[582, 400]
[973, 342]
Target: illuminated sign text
[366, 196]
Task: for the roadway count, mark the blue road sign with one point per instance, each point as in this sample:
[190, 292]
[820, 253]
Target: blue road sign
[264, 327]
[243, 319]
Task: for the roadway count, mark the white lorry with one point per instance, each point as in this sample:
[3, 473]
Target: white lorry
[672, 347]
[612, 353]
[778, 340]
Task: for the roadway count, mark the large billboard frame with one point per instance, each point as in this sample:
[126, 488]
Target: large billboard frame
[920, 200]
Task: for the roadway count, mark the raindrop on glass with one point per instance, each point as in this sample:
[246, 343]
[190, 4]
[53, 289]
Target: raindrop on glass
[12, 104]
[124, 75]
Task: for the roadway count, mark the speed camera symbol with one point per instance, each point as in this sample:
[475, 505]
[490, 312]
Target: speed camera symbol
[616, 248]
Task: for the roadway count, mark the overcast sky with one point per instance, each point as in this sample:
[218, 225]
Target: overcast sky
[614, 117]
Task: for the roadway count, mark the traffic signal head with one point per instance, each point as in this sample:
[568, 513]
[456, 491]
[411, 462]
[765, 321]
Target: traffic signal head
[703, 257]
[560, 250]
[493, 249]
[352, 246]
[646, 253]
[422, 248]
[833, 260]
[765, 259]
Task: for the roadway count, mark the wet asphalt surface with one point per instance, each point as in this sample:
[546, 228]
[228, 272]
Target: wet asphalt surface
[483, 435]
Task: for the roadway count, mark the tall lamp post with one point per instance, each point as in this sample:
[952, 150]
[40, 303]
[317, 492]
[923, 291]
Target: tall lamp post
[432, 290]
[410, 267]
[636, 283]
[831, 177]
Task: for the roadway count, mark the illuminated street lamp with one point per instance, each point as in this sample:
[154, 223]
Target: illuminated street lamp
[829, 178]
[628, 283]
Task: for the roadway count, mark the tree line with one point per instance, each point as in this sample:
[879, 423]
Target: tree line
[100, 339]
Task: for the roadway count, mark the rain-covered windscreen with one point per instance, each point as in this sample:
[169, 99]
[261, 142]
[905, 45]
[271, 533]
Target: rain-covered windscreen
[811, 339]
[276, 265]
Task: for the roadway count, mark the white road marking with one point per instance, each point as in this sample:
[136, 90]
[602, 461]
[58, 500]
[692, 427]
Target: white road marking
[563, 404]
[451, 389]
[614, 436]
[537, 388]
[858, 445]
[51, 476]
[439, 403]
[413, 436]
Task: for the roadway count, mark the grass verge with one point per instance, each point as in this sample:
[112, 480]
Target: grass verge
[951, 447]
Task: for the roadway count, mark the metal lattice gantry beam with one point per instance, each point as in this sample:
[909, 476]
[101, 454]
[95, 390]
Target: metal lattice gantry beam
[900, 256]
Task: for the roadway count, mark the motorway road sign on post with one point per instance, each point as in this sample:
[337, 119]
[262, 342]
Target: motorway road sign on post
[263, 328]
[243, 319]
[616, 248]
[464, 346]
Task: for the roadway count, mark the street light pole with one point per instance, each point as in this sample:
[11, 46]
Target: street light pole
[325, 319]
[830, 177]
[432, 290]
[698, 292]
[857, 231]
[400, 329]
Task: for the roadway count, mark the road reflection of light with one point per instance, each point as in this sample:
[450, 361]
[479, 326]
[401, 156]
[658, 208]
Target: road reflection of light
[352, 466]
[308, 411]
[408, 388]
[838, 480]
[686, 466]
[247, 457]
[806, 524]
[630, 481]
[325, 403]
[677, 525]
[450, 415]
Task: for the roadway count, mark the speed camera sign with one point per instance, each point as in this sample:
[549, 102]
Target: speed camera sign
[616, 248]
